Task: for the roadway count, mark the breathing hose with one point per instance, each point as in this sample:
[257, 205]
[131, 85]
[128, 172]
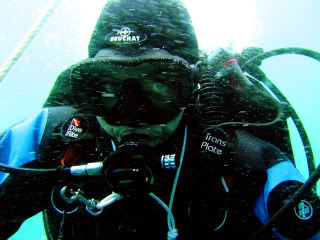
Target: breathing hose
[27, 171]
[256, 72]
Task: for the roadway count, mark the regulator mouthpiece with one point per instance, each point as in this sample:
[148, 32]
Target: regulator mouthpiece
[125, 170]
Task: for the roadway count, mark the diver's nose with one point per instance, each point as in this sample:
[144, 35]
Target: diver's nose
[131, 97]
[134, 106]
[130, 92]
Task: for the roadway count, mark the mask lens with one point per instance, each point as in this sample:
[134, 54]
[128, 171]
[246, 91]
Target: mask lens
[99, 85]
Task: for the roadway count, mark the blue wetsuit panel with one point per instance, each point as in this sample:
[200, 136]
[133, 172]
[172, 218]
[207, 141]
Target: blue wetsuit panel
[19, 145]
[279, 173]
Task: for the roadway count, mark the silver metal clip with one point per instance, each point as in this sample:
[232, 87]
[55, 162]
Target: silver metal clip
[78, 196]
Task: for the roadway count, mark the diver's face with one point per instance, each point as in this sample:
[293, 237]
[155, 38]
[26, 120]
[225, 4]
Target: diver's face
[145, 98]
[143, 101]
[148, 135]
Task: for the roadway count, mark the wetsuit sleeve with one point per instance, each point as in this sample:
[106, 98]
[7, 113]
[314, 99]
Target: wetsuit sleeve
[281, 172]
[19, 144]
[19, 147]
[299, 221]
[283, 180]
[28, 144]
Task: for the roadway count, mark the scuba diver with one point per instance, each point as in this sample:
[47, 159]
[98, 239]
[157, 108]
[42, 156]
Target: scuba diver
[147, 135]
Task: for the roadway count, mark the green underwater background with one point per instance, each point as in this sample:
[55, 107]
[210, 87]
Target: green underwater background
[64, 37]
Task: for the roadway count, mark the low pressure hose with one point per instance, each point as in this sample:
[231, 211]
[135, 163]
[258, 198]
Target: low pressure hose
[280, 51]
[27, 171]
[232, 67]
[255, 71]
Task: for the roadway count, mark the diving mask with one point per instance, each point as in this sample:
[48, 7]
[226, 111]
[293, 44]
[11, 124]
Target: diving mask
[152, 90]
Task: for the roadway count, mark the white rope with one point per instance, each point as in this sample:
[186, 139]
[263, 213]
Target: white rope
[173, 232]
[174, 187]
[12, 59]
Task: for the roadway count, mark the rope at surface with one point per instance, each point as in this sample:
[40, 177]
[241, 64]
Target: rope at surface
[13, 58]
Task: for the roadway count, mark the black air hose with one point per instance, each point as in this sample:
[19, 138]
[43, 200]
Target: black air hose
[26, 171]
[256, 72]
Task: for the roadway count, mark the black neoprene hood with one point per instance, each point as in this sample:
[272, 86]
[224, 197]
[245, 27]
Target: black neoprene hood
[131, 27]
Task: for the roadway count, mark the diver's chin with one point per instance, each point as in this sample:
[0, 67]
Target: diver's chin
[146, 135]
[142, 136]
